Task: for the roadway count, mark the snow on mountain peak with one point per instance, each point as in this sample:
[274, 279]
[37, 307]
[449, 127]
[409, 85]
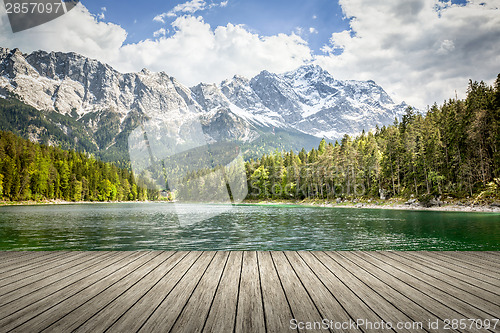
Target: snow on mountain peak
[308, 99]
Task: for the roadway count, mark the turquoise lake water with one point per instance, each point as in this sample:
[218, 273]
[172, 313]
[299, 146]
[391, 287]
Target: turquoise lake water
[156, 226]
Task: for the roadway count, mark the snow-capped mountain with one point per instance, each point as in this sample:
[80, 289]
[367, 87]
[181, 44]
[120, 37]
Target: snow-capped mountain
[308, 100]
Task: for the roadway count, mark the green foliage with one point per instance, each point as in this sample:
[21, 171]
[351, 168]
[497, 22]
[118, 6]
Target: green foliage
[99, 133]
[30, 171]
[46, 127]
[453, 150]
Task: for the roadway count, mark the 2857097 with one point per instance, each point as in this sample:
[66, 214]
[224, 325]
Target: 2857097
[34, 8]
[463, 324]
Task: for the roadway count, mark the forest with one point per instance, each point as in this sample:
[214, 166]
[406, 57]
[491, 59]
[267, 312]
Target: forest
[31, 171]
[451, 151]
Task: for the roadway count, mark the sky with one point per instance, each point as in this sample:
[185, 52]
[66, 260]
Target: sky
[419, 51]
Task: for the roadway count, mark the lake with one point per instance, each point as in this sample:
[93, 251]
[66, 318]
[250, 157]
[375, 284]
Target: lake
[155, 226]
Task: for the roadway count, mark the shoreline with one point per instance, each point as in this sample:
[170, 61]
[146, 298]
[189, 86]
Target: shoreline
[64, 202]
[392, 204]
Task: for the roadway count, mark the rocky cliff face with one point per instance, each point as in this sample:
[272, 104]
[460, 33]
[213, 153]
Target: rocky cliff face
[308, 100]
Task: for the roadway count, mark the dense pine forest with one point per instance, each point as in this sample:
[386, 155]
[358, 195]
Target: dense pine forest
[451, 151]
[30, 171]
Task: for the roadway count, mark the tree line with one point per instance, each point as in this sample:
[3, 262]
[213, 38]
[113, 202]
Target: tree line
[452, 150]
[31, 171]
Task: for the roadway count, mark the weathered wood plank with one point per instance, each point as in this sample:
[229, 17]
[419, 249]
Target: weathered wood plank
[475, 264]
[473, 295]
[33, 263]
[100, 292]
[394, 290]
[164, 316]
[116, 308]
[360, 281]
[93, 315]
[490, 256]
[389, 289]
[301, 304]
[250, 310]
[243, 291]
[325, 302]
[222, 313]
[137, 315]
[350, 301]
[38, 289]
[17, 257]
[55, 301]
[482, 281]
[471, 256]
[276, 309]
[194, 314]
[50, 271]
[442, 304]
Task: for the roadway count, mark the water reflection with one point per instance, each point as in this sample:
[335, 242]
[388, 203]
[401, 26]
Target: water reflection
[155, 226]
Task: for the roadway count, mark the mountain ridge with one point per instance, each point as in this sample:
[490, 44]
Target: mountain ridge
[307, 100]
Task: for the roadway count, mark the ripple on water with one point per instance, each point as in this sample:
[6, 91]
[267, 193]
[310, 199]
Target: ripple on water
[152, 226]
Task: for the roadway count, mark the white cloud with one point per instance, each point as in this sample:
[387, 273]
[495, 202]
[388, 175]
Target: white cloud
[160, 32]
[160, 18]
[313, 30]
[338, 41]
[189, 7]
[101, 16]
[196, 52]
[77, 31]
[314, 17]
[422, 50]
[447, 46]
[412, 50]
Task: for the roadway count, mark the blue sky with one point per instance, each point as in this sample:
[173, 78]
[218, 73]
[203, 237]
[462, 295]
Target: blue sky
[419, 51]
[265, 18]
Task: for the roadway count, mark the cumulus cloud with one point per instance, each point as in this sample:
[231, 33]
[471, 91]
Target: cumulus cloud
[422, 50]
[197, 52]
[160, 32]
[189, 7]
[77, 31]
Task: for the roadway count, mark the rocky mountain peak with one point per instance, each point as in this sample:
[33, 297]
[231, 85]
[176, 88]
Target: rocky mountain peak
[307, 99]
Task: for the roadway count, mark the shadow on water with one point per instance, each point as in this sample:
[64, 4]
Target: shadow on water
[155, 226]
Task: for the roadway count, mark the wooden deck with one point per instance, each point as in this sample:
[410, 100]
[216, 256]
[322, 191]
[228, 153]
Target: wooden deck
[249, 291]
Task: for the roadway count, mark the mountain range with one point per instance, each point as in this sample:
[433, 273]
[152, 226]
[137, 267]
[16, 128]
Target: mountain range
[86, 104]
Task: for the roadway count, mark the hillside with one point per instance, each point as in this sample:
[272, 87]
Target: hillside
[97, 108]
